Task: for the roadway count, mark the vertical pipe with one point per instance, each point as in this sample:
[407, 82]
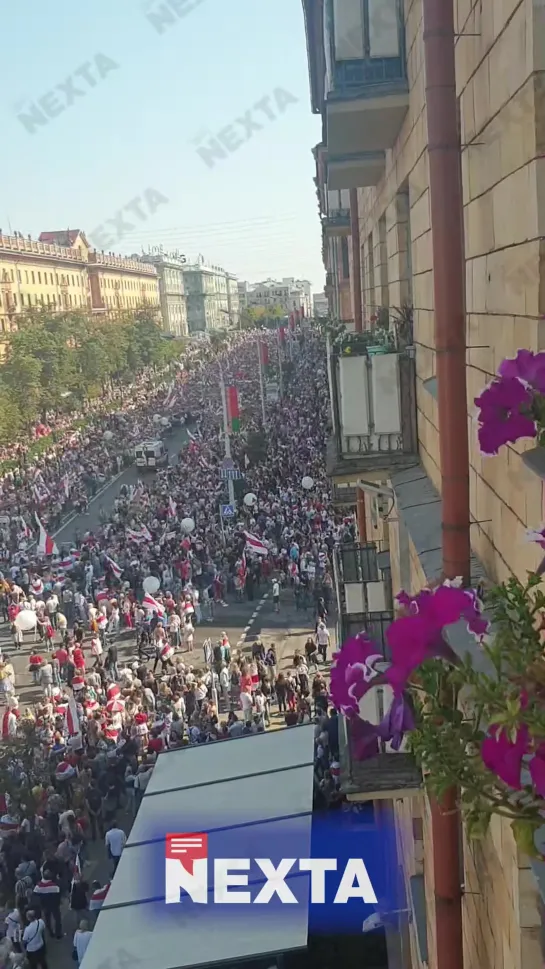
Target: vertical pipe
[361, 519]
[356, 260]
[446, 207]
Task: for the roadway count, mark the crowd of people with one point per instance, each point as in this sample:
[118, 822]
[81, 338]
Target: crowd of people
[117, 674]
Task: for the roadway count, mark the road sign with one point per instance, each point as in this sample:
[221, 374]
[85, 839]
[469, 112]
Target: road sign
[230, 474]
[227, 511]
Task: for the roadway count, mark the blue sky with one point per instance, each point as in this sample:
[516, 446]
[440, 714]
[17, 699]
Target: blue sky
[134, 121]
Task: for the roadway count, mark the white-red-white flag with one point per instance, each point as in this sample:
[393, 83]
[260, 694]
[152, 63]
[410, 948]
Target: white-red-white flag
[255, 545]
[46, 544]
[171, 508]
[114, 567]
[152, 605]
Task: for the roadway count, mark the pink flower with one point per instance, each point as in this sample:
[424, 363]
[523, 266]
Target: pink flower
[537, 770]
[505, 414]
[503, 756]
[533, 535]
[418, 637]
[353, 673]
[528, 367]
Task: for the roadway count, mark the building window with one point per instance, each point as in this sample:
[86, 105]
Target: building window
[26, 276]
[33, 279]
[51, 274]
[54, 300]
[39, 277]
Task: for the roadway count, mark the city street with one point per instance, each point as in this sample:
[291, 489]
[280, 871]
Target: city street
[242, 621]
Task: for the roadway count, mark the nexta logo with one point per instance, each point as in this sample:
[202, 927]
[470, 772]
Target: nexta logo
[186, 870]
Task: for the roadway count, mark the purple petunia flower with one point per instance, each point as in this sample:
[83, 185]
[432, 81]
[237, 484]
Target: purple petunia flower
[418, 637]
[365, 736]
[504, 756]
[353, 673]
[504, 415]
[527, 367]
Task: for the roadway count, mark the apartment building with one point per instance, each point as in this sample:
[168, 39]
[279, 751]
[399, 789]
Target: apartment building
[61, 271]
[433, 119]
[118, 283]
[288, 294]
[46, 273]
[233, 301]
[170, 271]
[320, 305]
[212, 298]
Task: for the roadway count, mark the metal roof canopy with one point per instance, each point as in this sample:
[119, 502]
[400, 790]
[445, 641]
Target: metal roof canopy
[262, 784]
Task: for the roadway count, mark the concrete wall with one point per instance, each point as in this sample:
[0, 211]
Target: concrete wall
[501, 87]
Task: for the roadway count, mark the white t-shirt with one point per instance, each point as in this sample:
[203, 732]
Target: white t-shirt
[275, 589]
[322, 636]
[115, 840]
[246, 702]
[34, 935]
[81, 941]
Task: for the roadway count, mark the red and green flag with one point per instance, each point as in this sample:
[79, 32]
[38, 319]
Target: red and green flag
[282, 334]
[233, 409]
[263, 353]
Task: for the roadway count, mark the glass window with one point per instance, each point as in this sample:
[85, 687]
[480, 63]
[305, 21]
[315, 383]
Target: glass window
[39, 277]
[33, 279]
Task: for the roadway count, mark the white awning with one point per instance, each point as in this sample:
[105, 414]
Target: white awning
[261, 785]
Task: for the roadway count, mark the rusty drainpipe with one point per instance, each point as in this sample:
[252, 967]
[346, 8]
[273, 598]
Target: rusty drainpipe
[356, 260]
[446, 207]
[358, 324]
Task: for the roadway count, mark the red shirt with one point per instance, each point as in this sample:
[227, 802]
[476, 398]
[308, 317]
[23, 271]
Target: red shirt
[79, 658]
[61, 655]
[156, 745]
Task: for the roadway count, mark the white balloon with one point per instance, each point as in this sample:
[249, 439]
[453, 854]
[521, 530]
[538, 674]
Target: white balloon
[165, 421]
[151, 584]
[307, 482]
[156, 418]
[250, 500]
[188, 525]
[108, 435]
[25, 620]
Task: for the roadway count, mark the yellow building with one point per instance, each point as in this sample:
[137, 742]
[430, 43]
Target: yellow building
[379, 70]
[39, 273]
[62, 272]
[118, 283]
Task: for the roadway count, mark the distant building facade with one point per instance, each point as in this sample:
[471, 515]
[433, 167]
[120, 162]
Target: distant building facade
[211, 298]
[171, 292]
[288, 294]
[320, 305]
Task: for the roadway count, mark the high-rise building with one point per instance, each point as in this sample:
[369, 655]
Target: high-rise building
[212, 298]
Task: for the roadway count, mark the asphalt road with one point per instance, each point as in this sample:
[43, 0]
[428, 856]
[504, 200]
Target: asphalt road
[243, 621]
[66, 534]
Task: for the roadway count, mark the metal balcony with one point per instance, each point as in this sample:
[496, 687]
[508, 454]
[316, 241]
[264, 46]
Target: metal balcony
[356, 170]
[373, 400]
[385, 776]
[366, 91]
[337, 223]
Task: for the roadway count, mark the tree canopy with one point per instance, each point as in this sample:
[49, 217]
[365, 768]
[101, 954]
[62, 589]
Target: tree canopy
[56, 362]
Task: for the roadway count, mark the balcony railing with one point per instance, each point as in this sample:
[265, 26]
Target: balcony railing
[386, 775]
[374, 406]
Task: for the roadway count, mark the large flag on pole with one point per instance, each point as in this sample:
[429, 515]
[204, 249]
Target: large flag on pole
[263, 353]
[233, 411]
[46, 544]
